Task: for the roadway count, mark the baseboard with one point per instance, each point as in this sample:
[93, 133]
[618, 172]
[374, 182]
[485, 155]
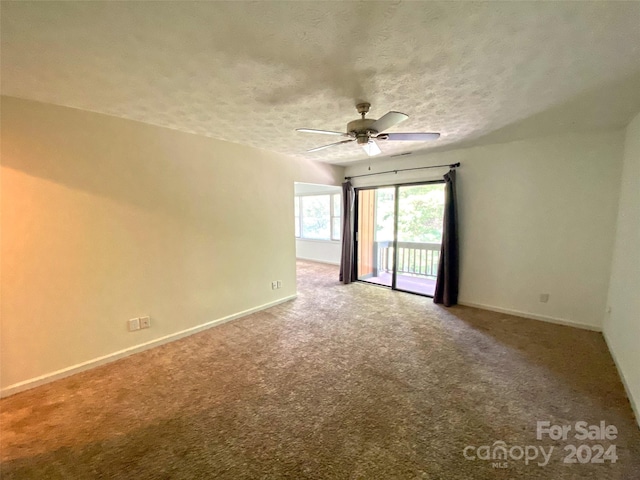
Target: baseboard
[318, 261]
[80, 367]
[533, 316]
[634, 405]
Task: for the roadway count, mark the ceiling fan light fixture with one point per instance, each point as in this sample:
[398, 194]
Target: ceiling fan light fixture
[372, 148]
[363, 138]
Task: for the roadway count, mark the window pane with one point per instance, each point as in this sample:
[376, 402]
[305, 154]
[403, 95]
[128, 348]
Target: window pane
[336, 205]
[315, 217]
[335, 234]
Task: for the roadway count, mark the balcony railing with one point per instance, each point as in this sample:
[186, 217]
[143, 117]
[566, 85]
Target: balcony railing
[414, 258]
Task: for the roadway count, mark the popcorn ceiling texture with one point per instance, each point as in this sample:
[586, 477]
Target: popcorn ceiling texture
[252, 72]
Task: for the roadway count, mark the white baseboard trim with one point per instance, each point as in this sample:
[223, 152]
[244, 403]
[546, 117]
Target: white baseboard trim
[318, 261]
[80, 367]
[634, 405]
[533, 316]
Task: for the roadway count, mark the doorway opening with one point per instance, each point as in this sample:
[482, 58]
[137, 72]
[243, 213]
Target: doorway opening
[399, 234]
[318, 220]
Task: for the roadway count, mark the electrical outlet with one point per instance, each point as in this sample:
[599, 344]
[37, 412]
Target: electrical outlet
[134, 324]
[145, 322]
[274, 285]
[544, 297]
[279, 284]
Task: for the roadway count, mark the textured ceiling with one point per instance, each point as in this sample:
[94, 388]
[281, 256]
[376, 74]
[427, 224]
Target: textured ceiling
[252, 72]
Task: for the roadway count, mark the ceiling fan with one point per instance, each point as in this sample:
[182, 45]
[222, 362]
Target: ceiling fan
[366, 131]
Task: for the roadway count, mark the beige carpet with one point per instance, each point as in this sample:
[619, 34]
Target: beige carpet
[345, 382]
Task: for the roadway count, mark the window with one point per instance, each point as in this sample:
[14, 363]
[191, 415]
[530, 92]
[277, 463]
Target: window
[335, 216]
[318, 216]
[297, 214]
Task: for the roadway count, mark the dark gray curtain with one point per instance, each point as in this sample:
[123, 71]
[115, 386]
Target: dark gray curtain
[448, 268]
[347, 264]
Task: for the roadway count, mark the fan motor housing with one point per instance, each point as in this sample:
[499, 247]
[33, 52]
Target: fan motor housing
[361, 129]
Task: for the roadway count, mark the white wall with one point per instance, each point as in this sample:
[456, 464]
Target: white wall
[536, 216]
[325, 251]
[319, 251]
[105, 219]
[622, 324]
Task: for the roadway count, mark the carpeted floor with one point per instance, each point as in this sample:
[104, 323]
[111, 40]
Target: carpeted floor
[345, 382]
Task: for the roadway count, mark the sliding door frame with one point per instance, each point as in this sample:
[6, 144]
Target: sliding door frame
[356, 222]
[356, 232]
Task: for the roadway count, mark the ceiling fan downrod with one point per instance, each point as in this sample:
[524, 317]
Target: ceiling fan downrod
[360, 129]
[363, 108]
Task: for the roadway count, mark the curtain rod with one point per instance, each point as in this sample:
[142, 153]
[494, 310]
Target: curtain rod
[452, 165]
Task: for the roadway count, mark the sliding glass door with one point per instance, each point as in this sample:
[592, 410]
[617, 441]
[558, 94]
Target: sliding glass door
[398, 236]
[375, 235]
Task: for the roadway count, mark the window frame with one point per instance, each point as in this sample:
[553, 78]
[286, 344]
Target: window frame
[299, 219]
[332, 215]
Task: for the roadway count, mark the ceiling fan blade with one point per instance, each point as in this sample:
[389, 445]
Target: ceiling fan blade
[372, 148]
[410, 137]
[330, 145]
[387, 121]
[324, 132]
